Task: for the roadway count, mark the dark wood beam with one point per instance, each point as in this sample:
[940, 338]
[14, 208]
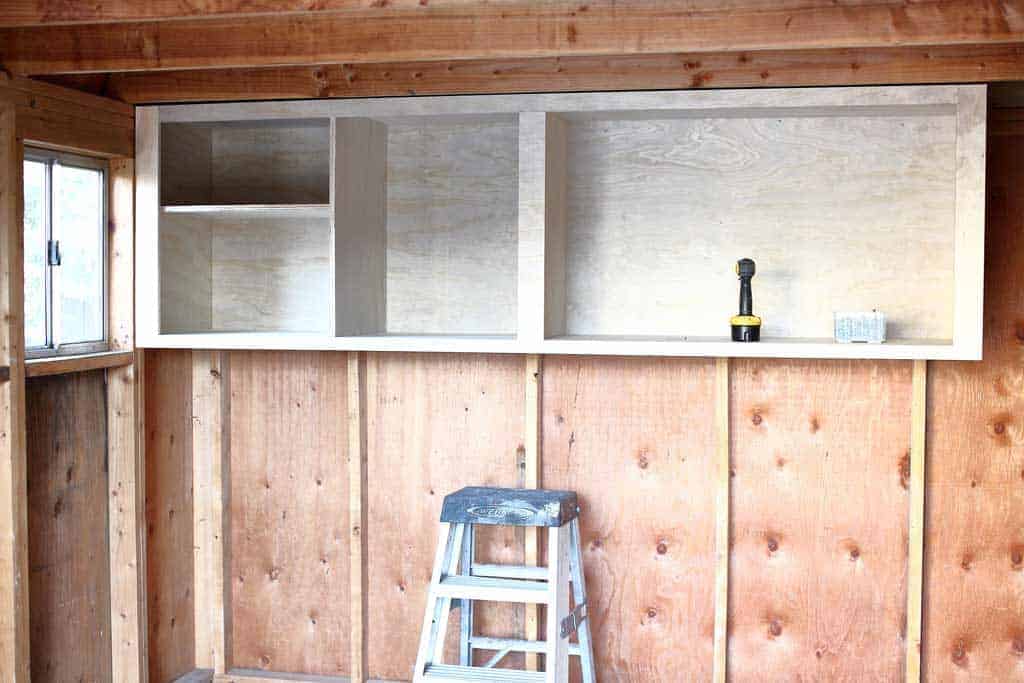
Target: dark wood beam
[960, 64]
[515, 29]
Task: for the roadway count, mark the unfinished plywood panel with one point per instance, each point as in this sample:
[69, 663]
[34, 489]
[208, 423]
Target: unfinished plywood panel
[840, 210]
[974, 548]
[436, 423]
[265, 162]
[186, 287]
[820, 452]
[289, 512]
[169, 537]
[252, 269]
[69, 559]
[451, 225]
[271, 272]
[635, 439]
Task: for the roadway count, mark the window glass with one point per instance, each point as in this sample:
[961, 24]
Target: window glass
[35, 254]
[78, 227]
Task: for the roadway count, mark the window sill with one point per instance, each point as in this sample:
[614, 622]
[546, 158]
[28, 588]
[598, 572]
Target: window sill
[60, 365]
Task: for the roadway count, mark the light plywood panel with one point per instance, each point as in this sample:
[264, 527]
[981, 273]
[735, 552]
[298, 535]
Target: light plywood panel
[279, 163]
[289, 512]
[635, 438]
[820, 452]
[270, 271]
[360, 225]
[437, 422]
[69, 559]
[974, 523]
[185, 273]
[185, 164]
[169, 505]
[451, 226]
[840, 212]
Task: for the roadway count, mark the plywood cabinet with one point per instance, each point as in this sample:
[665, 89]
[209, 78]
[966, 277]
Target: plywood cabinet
[604, 223]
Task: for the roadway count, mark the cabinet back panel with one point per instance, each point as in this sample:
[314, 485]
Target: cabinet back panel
[840, 213]
[452, 199]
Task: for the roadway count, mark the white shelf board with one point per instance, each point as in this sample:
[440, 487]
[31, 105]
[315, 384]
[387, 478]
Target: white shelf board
[313, 210]
[897, 349]
[766, 348]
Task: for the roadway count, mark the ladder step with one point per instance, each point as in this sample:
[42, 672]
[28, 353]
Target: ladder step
[495, 590]
[510, 571]
[454, 674]
[516, 645]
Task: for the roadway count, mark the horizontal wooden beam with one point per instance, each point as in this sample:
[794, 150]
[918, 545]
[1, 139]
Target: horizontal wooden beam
[960, 64]
[60, 365]
[512, 29]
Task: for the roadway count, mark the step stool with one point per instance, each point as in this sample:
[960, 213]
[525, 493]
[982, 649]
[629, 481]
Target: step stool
[458, 580]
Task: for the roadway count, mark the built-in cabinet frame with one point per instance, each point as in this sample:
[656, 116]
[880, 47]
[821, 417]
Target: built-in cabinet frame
[567, 145]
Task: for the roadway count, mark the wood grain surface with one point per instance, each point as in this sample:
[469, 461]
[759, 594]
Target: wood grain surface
[819, 519]
[289, 512]
[451, 222]
[69, 560]
[635, 439]
[436, 423]
[974, 525]
[839, 212]
[169, 539]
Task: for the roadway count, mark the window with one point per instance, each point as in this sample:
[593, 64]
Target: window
[65, 253]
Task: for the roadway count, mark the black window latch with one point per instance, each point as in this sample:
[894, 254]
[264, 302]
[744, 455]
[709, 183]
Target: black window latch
[53, 253]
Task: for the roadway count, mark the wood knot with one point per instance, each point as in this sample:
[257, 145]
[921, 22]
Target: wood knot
[1018, 646]
[662, 547]
[815, 425]
[1017, 558]
[965, 562]
[641, 460]
[854, 554]
[774, 628]
[773, 545]
[756, 419]
[651, 613]
[959, 653]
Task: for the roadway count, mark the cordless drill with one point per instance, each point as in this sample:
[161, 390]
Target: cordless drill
[746, 327]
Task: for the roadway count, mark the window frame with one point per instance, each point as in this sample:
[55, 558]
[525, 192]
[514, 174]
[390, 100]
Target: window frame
[53, 346]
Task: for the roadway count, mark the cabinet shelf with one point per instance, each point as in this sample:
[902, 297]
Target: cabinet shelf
[312, 210]
[589, 223]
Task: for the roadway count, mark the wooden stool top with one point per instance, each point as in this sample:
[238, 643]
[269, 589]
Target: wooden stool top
[509, 507]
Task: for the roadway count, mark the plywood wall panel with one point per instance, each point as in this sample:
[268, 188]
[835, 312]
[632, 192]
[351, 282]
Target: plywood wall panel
[169, 538]
[69, 560]
[635, 439]
[974, 548]
[289, 512]
[819, 520]
[437, 422]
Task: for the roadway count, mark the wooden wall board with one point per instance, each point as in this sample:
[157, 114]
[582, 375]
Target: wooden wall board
[489, 30]
[771, 68]
[452, 227]
[974, 548]
[436, 423]
[636, 439]
[289, 512]
[169, 504]
[660, 210]
[819, 519]
[14, 572]
[69, 560]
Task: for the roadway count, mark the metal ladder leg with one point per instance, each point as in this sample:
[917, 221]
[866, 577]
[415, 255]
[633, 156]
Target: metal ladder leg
[465, 604]
[579, 596]
[436, 618]
[556, 664]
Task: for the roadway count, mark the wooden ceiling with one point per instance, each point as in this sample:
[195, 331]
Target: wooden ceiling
[169, 50]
